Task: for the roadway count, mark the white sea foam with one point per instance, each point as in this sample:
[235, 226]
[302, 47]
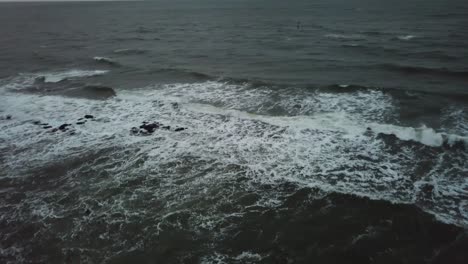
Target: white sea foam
[244, 257]
[424, 135]
[455, 120]
[315, 139]
[249, 256]
[406, 37]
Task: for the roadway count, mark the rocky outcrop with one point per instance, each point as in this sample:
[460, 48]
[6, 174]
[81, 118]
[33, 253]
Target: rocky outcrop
[147, 128]
[65, 126]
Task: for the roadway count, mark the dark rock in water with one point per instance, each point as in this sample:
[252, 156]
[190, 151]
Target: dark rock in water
[80, 123]
[8, 117]
[54, 130]
[368, 132]
[150, 127]
[37, 122]
[89, 116]
[64, 126]
[96, 92]
[147, 128]
[390, 139]
[47, 127]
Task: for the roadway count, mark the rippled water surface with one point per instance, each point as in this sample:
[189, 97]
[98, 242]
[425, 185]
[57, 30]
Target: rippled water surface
[234, 132]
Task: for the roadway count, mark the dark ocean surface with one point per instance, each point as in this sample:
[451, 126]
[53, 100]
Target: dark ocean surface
[234, 132]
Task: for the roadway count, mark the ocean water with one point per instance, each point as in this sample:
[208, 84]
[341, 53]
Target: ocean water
[283, 132]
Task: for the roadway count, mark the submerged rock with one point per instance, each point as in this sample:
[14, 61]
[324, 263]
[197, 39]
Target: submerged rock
[89, 116]
[147, 128]
[151, 127]
[64, 126]
[43, 124]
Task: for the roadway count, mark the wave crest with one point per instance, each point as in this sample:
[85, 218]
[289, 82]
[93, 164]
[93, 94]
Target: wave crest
[423, 135]
[55, 77]
[107, 61]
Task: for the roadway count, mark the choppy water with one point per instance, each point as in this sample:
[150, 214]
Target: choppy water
[321, 132]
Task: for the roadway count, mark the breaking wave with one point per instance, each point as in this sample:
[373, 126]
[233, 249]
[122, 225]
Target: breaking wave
[107, 61]
[65, 75]
[71, 74]
[23, 81]
[423, 135]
